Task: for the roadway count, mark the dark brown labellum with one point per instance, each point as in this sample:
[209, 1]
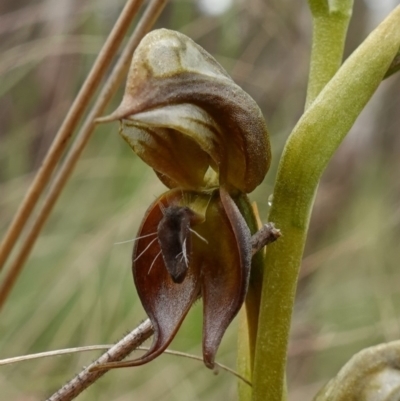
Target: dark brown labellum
[174, 238]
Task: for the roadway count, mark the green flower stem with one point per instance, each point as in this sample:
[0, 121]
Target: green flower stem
[248, 319]
[308, 151]
[244, 356]
[330, 25]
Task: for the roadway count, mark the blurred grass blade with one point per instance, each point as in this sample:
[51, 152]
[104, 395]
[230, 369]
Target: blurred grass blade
[148, 19]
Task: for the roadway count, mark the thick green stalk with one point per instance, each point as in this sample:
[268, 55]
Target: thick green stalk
[330, 25]
[308, 151]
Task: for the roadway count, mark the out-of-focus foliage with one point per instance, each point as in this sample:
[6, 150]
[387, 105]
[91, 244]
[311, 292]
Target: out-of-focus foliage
[77, 288]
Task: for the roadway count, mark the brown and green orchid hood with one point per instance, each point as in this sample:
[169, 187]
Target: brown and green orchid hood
[186, 118]
[207, 141]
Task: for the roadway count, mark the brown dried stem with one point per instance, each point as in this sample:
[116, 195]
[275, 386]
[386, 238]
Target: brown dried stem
[67, 128]
[119, 351]
[148, 19]
[264, 236]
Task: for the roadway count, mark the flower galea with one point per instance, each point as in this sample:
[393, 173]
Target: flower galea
[207, 141]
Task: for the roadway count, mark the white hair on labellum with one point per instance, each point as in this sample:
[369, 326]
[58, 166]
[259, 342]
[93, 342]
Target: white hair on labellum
[134, 239]
[183, 254]
[198, 235]
[145, 249]
[154, 261]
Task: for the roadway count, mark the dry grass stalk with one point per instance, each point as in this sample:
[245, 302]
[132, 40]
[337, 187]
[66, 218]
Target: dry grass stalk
[67, 128]
[147, 21]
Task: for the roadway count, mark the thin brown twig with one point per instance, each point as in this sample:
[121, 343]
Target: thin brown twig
[147, 21]
[68, 126]
[264, 236]
[119, 351]
[267, 234]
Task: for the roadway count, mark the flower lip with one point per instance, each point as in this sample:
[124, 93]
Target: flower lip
[165, 302]
[214, 264]
[174, 237]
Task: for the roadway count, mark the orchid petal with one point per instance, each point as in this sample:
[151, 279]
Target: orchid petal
[165, 302]
[225, 269]
[178, 141]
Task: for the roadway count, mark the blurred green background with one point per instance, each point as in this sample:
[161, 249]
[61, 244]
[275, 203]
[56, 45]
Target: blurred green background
[76, 288]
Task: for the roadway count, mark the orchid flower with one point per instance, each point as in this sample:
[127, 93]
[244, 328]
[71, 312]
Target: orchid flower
[207, 141]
